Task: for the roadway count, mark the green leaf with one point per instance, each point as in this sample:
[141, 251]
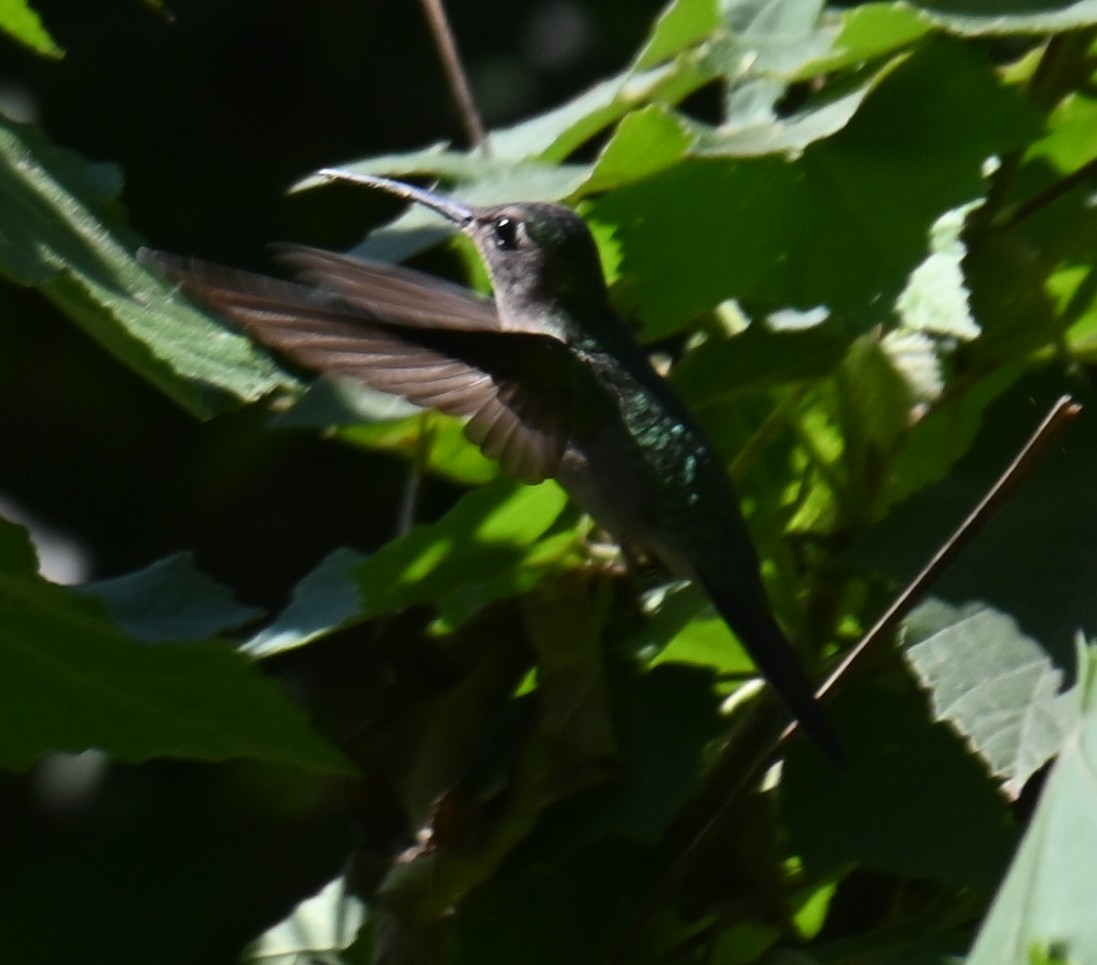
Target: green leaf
[1032, 560]
[645, 142]
[70, 681]
[772, 39]
[17, 553]
[936, 297]
[760, 358]
[325, 600]
[864, 33]
[942, 436]
[1069, 142]
[1006, 276]
[681, 24]
[686, 630]
[1057, 238]
[495, 529]
[171, 599]
[974, 18]
[876, 405]
[577, 881]
[996, 686]
[444, 450]
[1042, 912]
[761, 49]
[570, 747]
[377, 420]
[664, 720]
[61, 233]
[566, 626]
[487, 547]
[19, 20]
[322, 925]
[555, 135]
[842, 227]
[750, 131]
[909, 801]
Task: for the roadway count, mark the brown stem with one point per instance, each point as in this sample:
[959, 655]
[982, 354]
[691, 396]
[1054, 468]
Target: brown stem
[1062, 412]
[409, 501]
[1051, 193]
[455, 72]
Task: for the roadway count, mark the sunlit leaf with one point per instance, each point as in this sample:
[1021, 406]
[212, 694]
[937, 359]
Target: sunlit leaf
[1042, 912]
[1009, 16]
[645, 142]
[994, 685]
[865, 32]
[62, 234]
[681, 23]
[556, 134]
[936, 297]
[910, 800]
[19, 20]
[842, 227]
[317, 930]
[485, 548]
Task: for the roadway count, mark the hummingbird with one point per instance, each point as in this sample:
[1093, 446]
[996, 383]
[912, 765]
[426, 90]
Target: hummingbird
[550, 379]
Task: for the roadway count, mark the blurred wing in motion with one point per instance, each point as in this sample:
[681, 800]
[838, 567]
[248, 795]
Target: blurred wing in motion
[435, 344]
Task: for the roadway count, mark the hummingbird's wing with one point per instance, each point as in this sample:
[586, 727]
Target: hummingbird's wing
[390, 293]
[522, 392]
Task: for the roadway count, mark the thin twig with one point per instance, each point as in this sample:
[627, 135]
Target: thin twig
[409, 502]
[1062, 412]
[1087, 172]
[455, 72]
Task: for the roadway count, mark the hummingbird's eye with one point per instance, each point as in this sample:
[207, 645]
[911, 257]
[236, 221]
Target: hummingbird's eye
[506, 232]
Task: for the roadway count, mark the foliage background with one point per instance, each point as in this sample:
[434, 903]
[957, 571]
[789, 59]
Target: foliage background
[785, 157]
[212, 117]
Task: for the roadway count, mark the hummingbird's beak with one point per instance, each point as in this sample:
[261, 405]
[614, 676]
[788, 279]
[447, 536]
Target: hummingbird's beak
[454, 211]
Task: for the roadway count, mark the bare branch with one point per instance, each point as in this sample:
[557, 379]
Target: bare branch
[1061, 413]
[455, 72]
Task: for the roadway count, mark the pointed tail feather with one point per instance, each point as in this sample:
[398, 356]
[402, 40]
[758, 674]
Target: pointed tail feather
[771, 652]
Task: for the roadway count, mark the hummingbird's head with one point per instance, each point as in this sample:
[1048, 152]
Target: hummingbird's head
[543, 262]
[539, 256]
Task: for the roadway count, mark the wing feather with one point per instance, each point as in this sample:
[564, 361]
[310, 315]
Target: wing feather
[512, 386]
[391, 293]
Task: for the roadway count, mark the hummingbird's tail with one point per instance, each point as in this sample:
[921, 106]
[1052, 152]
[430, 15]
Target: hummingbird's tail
[772, 654]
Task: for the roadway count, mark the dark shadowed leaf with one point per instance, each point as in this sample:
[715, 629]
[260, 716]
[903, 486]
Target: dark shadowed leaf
[1032, 561]
[910, 800]
[568, 747]
[759, 358]
[69, 681]
[171, 599]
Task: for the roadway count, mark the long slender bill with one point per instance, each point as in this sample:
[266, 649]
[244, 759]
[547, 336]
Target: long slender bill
[453, 210]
